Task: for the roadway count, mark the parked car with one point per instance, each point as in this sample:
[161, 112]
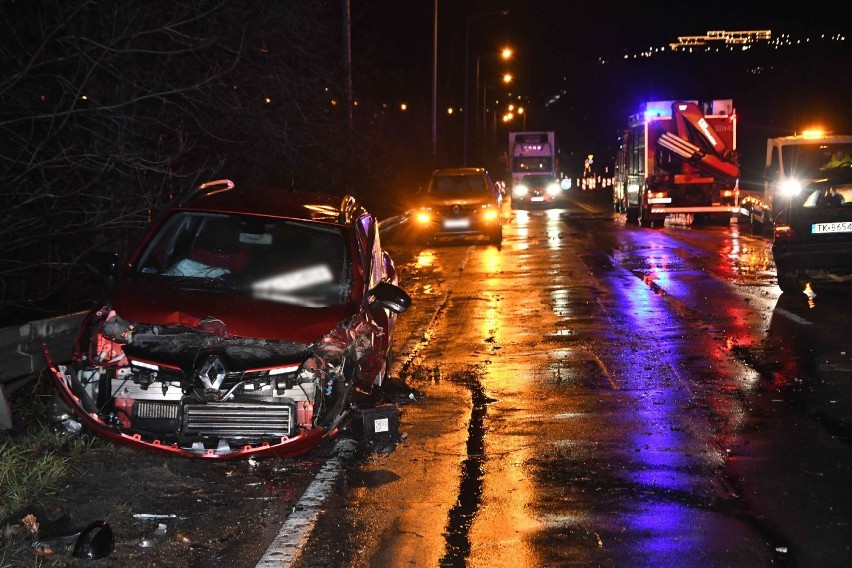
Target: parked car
[813, 233]
[536, 190]
[459, 202]
[247, 322]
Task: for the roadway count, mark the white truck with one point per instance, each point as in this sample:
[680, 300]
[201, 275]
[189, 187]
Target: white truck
[791, 163]
[531, 153]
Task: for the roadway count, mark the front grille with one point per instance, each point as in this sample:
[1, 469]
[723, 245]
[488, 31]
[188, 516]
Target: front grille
[458, 211]
[238, 420]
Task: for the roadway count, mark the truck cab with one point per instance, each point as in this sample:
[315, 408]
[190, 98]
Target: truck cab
[792, 162]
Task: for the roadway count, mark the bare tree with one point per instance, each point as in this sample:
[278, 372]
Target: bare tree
[110, 108]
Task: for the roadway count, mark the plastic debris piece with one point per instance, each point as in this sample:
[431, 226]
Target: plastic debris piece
[158, 535]
[31, 523]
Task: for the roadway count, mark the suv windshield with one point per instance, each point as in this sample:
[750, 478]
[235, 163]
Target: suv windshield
[276, 259]
[458, 185]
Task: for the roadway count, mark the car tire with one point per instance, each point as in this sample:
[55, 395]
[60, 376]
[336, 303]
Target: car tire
[787, 283]
[496, 237]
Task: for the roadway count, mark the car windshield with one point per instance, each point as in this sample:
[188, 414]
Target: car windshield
[458, 185]
[276, 259]
[808, 160]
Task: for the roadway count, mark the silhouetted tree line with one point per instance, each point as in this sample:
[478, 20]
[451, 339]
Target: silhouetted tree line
[111, 108]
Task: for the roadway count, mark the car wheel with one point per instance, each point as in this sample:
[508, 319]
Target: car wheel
[497, 236]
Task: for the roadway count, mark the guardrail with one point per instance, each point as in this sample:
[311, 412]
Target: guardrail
[21, 355]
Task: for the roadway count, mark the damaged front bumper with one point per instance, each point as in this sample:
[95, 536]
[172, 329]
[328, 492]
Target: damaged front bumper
[68, 389]
[196, 391]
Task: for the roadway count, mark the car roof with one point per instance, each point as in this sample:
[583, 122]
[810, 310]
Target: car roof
[224, 196]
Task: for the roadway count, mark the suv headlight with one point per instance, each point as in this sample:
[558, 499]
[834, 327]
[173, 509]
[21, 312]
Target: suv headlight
[489, 214]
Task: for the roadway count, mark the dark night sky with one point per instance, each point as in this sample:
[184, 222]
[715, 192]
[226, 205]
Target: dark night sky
[557, 46]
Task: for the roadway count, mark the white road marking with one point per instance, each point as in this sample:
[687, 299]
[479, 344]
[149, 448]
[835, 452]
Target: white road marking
[294, 533]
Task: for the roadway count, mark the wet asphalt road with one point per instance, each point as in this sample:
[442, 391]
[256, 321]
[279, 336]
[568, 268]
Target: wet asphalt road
[588, 394]
[597, 394]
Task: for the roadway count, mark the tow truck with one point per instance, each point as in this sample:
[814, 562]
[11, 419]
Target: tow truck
[791, 163]
[678, 159]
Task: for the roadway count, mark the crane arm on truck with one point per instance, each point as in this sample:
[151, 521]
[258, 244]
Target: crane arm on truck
[689, 132]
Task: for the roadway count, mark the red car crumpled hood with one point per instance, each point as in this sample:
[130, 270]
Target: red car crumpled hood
[242, 314]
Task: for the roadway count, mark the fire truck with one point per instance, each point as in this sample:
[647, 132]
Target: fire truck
[678, 160]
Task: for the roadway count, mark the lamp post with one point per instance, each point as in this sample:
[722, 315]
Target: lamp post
[435, 88]
[467, 72]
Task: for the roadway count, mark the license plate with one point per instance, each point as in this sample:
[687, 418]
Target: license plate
[537, 198]
[841, 227]
[456, 223]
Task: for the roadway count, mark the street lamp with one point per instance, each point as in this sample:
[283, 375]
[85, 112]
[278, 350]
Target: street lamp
[505, 54]
[467, 71]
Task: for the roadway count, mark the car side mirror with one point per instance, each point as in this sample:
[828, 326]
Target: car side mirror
[390, 296]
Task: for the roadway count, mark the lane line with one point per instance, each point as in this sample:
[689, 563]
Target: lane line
[294, 533]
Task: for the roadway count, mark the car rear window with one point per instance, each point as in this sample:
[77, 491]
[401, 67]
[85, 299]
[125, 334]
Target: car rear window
[821, 197]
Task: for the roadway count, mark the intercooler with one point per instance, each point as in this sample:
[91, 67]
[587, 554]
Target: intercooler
[248, 421]
[238, 420]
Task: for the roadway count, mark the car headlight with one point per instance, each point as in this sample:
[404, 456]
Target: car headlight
[489, 214]
[423, 217]
[520, 190]
[553, 189]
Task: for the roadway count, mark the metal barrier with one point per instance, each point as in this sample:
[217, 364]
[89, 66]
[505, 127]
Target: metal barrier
[21, 355]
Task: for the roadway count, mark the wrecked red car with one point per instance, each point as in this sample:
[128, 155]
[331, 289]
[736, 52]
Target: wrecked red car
[248, 322]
